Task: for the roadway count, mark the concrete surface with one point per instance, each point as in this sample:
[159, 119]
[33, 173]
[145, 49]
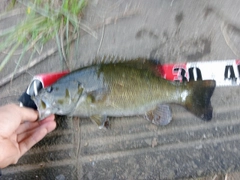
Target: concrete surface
[172, 31]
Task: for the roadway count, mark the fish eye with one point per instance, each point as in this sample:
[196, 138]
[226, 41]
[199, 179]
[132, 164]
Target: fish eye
[49, 89]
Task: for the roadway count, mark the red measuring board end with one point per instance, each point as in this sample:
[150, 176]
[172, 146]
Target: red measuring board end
[173, 72]
[48, 79]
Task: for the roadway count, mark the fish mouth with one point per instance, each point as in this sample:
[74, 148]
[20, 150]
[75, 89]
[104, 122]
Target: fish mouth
[43, 108]
[43, 114]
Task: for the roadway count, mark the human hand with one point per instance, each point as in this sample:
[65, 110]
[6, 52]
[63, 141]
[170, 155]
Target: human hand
[19, 131]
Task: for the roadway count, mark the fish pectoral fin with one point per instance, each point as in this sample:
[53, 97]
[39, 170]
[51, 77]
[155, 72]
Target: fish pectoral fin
[101, 121]
[97, 95]
[161, 115]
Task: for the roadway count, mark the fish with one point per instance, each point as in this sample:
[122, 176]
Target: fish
[123, 89]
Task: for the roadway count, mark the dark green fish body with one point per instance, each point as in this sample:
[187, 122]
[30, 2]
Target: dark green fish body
[123, 89]
[127, 91]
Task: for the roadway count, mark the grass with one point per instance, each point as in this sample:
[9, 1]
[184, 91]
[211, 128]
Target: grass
[45, 20]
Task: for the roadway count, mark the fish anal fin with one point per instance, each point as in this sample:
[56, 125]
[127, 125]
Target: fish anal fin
[161, 115]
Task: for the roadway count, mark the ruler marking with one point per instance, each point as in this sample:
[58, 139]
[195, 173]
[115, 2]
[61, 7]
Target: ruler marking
[224, 72]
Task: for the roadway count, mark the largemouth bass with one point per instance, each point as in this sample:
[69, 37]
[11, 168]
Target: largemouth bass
[123, 89]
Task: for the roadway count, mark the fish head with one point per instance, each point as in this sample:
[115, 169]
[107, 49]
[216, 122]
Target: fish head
[60, 98]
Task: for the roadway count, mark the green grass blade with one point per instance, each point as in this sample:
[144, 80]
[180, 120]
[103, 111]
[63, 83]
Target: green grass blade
[7, 58]
[67, 36]
[20, 58]
[42, 23]
[59, 45]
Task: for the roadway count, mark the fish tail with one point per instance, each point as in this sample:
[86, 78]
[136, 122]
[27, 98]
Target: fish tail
[199, 100]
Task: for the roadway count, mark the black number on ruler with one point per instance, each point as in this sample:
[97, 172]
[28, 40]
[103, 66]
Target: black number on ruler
[182, 74]
[229, 73]
[191, 74]
[238, 66]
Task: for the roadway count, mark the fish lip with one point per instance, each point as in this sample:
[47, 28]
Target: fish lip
[42, 113]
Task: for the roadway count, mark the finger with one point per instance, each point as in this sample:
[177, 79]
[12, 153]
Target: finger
[49, 118]
[27, 114]
[12, 116]
[21, 113]
[27, 130]
[26, 126]
[32, 138]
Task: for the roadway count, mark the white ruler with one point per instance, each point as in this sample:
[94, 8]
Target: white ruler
[224, 72]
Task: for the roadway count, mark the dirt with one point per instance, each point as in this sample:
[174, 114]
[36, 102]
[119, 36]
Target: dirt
[169, 30]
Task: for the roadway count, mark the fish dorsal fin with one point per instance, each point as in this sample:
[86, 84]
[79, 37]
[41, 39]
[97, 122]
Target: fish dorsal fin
[140, 63]
[104, 60]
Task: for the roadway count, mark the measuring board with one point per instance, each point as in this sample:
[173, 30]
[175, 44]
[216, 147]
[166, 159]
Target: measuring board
[224, 72]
